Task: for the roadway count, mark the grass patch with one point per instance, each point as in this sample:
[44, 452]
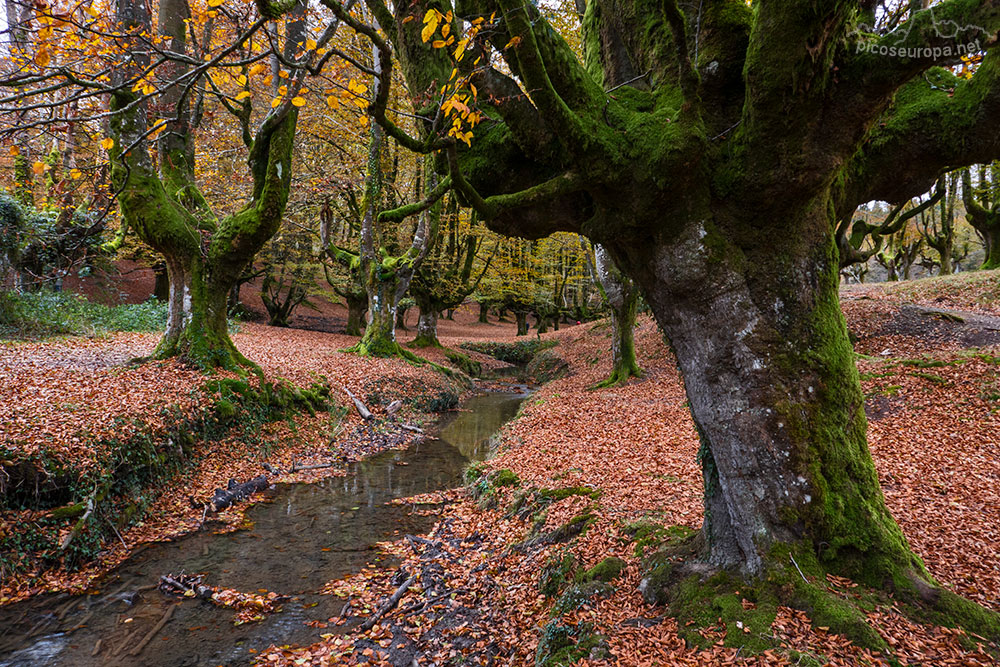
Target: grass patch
[45, 313]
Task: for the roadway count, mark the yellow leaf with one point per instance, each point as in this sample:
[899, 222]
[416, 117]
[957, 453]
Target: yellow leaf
[241, 79]
[283, 74]
[311, 44]
[215, 3]
[333, 102]
[445, 29]
[428, 31]
[475, 93]
[256, 69]
[439, 43]
[243, 95]
[93, 12]
[282, 90]
[42, 58]
[107, 143]
[408, 19]
[38, 168]
[275, 102]
[75, 174]
[14, 150]
[514, 41]
[299, 101]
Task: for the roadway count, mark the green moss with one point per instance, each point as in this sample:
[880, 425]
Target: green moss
[464, 363]
[556, 495]
[505, 477]
[607, 571]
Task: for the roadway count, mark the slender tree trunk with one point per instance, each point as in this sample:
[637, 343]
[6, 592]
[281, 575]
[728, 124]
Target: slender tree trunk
[401, 317]
[623, 298]
[521, 317]
[483, 313]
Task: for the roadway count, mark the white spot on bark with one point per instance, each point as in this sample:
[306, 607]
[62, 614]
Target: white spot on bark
[808, 498]
[278, 168]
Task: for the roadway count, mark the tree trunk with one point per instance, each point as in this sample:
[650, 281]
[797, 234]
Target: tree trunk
[357, 306]
[991, 244]
[401, 317]
[623, 298]
[541, 324]
[776, 398]
[945, 254]
[161, 282]
[522, 322]
[426, 327]
[379, 339]
[483, 312]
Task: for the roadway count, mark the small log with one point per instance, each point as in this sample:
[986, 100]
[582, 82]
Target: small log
[79, 525]
[152, 633]
[315, 466]
[365, 413]
[389, 605]
[223, 498]
[413, 429]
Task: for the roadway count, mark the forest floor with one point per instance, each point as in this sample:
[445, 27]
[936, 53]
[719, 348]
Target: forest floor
[621, 456]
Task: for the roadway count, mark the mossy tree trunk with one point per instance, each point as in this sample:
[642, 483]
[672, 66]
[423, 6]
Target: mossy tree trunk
[445, 278]
[387, 277]
[357, 307]
[982, 206]
[204, 256]
[714, 178]
[426, 326]
[484, 311]
[622, 295]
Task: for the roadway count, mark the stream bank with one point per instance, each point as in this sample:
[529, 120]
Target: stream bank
[302, 537]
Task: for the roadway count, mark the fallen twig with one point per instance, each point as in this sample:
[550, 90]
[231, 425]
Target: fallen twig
[389, 605]
[79, 525]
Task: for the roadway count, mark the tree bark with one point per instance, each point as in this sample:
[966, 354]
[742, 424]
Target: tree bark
[521, 317]
[426, 326]
[357, 306]
[623, 298]
[776, 398]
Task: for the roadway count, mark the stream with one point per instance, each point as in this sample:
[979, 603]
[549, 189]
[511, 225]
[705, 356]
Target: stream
[301, 537]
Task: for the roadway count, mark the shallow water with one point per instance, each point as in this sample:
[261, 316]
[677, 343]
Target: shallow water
[302, 537]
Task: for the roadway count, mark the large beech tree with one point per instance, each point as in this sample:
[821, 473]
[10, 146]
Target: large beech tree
[204, 255]
[710, 148]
